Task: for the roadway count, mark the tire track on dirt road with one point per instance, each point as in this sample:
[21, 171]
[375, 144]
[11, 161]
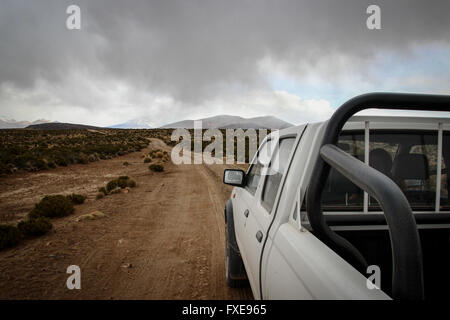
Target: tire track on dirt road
[162, 240]
[218, 227]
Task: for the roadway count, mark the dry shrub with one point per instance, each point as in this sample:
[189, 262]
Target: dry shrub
[156, 167]
[35, 227]
[76, 198]
[9, 236]
[51, 207]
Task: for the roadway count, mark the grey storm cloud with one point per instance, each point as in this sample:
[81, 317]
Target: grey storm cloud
[193, 50]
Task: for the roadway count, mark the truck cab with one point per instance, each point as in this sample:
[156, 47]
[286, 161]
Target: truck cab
[355, 207]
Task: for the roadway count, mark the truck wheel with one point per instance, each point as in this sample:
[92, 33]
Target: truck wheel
[234, 267]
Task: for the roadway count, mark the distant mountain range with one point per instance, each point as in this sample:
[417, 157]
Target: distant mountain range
[61, 126]
[233, 122]
[219, 122]
[13, 124]
[134, 124]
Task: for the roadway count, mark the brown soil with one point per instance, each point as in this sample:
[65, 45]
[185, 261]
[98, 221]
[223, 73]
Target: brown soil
[162, 240]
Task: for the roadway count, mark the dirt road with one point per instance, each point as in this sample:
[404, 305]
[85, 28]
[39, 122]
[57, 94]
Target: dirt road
[162, 240]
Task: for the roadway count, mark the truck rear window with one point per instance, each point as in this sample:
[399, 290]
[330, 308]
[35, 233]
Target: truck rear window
[409, 158]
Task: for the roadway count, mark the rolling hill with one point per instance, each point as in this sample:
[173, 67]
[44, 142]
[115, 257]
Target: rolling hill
[233, 122]
[61, 126]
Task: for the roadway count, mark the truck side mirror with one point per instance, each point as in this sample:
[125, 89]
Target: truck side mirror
[234, 177]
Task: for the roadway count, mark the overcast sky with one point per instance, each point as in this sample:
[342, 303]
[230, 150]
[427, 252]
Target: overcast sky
[172, 60]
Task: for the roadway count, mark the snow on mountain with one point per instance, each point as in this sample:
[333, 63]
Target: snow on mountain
[14, 124]
[233, 122]
[134, 124]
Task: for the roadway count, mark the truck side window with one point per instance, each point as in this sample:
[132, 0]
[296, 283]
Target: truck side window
[408, 157]
[277, 168]
[339, 192]
[411, 164]
[255, 172]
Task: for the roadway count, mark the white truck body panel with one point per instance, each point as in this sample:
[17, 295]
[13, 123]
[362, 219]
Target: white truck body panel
[301, 267]
[293, 263]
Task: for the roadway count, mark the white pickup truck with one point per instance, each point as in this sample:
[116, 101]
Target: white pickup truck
[342, 204]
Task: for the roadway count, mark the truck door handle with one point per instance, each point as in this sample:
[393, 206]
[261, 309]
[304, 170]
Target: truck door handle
[246, 213]
[259, 236]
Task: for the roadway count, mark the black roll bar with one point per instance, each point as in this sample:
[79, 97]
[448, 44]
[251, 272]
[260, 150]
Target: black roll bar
[395, 206]
[407, 275]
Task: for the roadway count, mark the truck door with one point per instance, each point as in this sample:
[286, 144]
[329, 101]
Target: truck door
[258, 211]
[245, 197]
